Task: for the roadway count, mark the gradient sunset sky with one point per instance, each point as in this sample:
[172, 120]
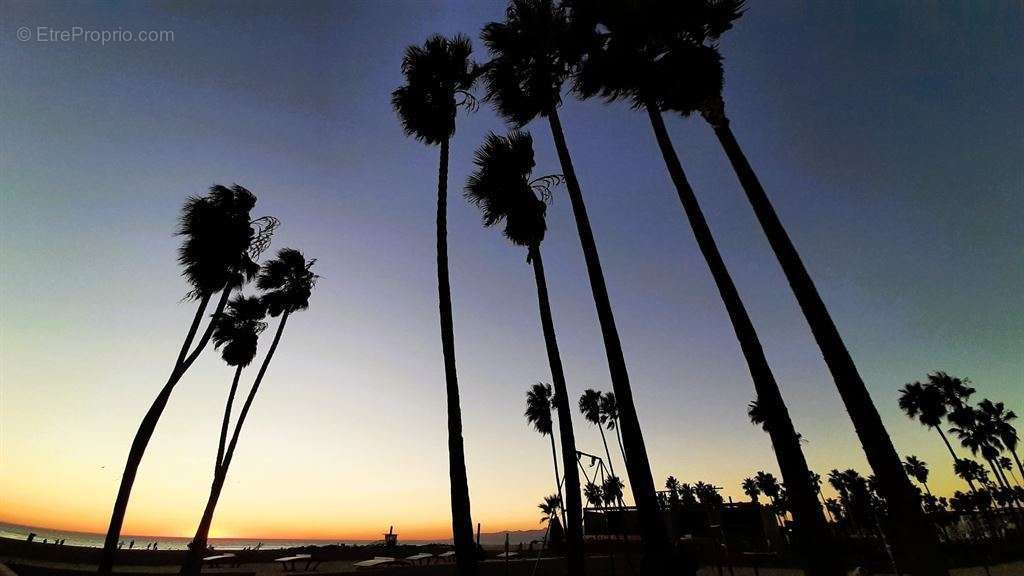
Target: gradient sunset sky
[890, 136]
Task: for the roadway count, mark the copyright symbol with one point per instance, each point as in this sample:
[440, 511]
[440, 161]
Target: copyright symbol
[24, 34]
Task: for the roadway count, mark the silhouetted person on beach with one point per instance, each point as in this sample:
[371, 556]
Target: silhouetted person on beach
[31, 537]
[131, 544]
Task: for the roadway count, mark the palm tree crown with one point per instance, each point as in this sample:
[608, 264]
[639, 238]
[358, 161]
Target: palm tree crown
[502, 189]
[590, 406]
[916, 468]
[287, 282]
[538, 408]
[609, 410]
[218, 234]
[438, 79]
[238, 328]
[532, 54]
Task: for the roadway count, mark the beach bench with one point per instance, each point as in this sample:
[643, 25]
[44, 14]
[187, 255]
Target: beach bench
[375, 562]
[219, 559]
[419, 559]
[448, 556]
[291, 563]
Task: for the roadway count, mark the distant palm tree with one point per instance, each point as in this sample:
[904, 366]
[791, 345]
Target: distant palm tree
[757, 415]
[532, 54]
[1000, 420]
[751, 489]
[610, 415]
[590, 407]
[503, 188]
[550, 506]
[611, 489]
[439, 77]
[918, 470]
[235, 334]
[592, 492]
[220, 243]
[972, 428]
[927, 404]
[538, 414]
[691, 74]
[768, 485]
[628, 61]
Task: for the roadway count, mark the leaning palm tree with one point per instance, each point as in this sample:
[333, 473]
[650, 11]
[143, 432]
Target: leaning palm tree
[973, 428]
[689, 33]
[927, 404]
[235, 334]
[220, 244]
[918, 470]
[505, 191]
[590, 407]
[629, 60]
[538, 414]
[286, 283]
[1001, 422]
[532, 54]
[439, 77]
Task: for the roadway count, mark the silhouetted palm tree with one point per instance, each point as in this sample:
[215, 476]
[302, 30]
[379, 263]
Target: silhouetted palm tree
[1000, 420]
[438, 79]
[691, 69]
[590, 407]
[235, 334]
[503, 188]
[751, 489]
[628, 61]
[220, 243]
[975, 433]
[550, 506]
[532, 53]
[918, 470]
[592, 492]
[611, 490]
[610, 416]
[757, 415]
[538, 414]
[927, 404]
[286, 283]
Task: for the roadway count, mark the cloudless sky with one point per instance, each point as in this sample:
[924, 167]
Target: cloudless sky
[889, 135]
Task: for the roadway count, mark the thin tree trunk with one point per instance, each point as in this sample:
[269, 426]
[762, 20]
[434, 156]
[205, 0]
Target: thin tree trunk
[193, 558]
[558, 475]
[915, 541]
[1017, 460]
[618, 437]
[813, 539]
[203, 532]
[572, 505]
[652, 526]
[462, 522]
[148, 426]
[604, 441]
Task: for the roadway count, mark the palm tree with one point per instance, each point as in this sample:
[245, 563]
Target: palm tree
[538, 414]
[610, 415]
[532, 54]
[918, 470]
[503, 189]
[1000, 419]
[590, 407]
[757, 415]
[592, 492]
[751, 489]
[235, 333]
[927, 403]
[974, 433]
[550, 506]
[628, 61]
[220, 243]
[438, 79]
[691, 30]
[611, 489]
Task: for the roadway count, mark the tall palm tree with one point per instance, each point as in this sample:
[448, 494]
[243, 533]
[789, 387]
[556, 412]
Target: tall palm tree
[503, 188]
[975, 432]
[538, 414]
[590, 407]
[236, 334]
[220, 243]
[918, 470]
[926, 403]
[439, 77]
[532, 54]
[692, 30]
[629, 61]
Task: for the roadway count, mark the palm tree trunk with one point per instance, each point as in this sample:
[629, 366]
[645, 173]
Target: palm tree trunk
[462, 522]
[193, 558]
[148, 426]
[915, 541]
[572, 515]
[813, 539]
[638, 467]
[1017, 460]
[604, 441]
[618, 436]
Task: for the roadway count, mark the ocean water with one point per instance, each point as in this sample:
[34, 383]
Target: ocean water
[19, 532]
